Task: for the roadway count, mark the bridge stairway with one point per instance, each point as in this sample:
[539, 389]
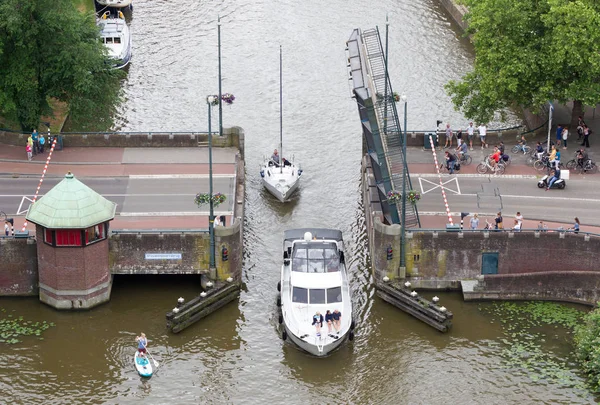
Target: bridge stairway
[388, 121]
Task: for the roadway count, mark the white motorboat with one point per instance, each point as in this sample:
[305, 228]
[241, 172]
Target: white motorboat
[314, 279]
[116, 36]
[281, 178]
[115, 3]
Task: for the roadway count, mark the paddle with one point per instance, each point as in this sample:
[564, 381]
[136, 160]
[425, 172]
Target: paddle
[151, 357]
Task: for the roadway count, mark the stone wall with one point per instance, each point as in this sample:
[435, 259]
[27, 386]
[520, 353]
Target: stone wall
[18, 267]
[232, 137]
[155, 252]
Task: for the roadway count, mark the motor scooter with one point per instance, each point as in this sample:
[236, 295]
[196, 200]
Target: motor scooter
[559, 184]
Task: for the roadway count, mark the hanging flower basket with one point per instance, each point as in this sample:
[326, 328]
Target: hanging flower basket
[413, 196]
[228, 98]
[214, 101]
[204, 198]
[396, 97]
[394, 197]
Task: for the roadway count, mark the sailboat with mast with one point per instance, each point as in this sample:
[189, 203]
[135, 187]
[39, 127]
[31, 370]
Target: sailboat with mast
[281, 177]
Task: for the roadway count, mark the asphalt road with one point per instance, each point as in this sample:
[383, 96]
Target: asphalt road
[134, 197]
[581, 198]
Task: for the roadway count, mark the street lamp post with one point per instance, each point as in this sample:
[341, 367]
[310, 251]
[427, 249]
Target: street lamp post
[403, 230]
[211, 216]
[220, 78]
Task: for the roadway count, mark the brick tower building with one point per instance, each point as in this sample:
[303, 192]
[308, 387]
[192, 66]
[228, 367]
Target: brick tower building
[72, 245]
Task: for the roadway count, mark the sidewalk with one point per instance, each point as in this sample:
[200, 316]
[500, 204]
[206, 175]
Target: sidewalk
[118, 162]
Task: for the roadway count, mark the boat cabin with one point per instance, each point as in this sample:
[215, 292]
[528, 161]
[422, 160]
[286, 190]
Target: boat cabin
[315, 257]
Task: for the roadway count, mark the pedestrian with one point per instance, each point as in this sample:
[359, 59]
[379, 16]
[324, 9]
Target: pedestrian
[519, 218]
[575, 227]
[474, 222]
[586, 136]
[499, 223]
[470, 134]
[517, 226]
[565, 135]
[482, 134]
[36, 141]
[448, 136]
[559, 130]
[28, 150]
[42, 143]
[459, 137]
[6, 228]
[580, 125]
[542, 227]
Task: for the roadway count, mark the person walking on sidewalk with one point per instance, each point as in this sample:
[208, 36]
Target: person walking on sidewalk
[449, 136]
[475, 222]
[580, 125]
[42, 143]
[482, 134]
[470, 134]
[499, 222]
[36, 141]
[28, 150]
[586, 136]
[565, 135]
[559, 130]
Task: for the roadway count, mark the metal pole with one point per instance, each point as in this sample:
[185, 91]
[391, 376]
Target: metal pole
[403, 230]
[220, 94]
[549, 126]
[385, 95]
[211, 215]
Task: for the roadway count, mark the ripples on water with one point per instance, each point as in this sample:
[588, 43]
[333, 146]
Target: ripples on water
[236, 356]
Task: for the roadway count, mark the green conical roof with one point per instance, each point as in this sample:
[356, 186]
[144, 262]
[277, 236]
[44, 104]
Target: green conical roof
[72, 205]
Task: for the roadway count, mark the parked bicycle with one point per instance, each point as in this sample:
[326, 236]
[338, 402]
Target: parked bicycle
[483, 167]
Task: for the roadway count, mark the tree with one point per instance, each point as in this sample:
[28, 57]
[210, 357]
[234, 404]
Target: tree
[529, 52]
[48, 49]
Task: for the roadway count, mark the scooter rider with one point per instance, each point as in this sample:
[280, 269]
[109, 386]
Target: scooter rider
[555, 176]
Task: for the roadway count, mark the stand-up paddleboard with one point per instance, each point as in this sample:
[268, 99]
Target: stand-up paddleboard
[142, 365]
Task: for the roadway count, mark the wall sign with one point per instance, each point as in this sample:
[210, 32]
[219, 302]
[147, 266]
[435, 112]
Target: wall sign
[162, 256]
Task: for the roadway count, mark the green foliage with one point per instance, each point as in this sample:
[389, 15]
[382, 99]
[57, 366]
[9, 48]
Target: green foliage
[529, 52]
[587, 342]
[523, 350]
[11, 329]
[48, 49]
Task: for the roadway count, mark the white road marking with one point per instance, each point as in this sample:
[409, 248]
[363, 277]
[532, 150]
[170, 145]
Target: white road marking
[177, 176]
[172, 214]
[21, 212]
[440, 186]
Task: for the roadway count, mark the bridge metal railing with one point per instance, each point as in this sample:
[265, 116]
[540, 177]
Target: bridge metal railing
[387, 117]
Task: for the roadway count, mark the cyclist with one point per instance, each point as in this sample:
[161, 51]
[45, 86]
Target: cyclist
[462, 150]
[582, 157]
[539, 150]
[450, 162]
[494, 158]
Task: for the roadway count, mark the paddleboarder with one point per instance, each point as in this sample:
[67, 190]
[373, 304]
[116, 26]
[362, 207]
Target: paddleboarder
[142, 343]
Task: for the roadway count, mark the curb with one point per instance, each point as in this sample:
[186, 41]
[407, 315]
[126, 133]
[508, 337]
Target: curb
[477, 175]
[62, 163]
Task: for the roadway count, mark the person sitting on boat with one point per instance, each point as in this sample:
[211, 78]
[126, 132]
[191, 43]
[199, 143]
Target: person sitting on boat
[329, 320]
[142, 343]
[318, 322]
[275, 160]
[337, 320]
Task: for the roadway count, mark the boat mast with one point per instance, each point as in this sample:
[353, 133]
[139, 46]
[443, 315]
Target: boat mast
[280, 112]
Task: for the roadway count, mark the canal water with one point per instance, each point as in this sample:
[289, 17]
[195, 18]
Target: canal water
[236, 355]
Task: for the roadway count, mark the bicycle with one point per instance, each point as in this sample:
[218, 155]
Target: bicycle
[483, 167]
[587, 167]
[444, 168]
[544, 163]
[521, 147]
[465, 159]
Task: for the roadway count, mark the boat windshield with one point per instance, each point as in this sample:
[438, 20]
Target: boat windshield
[315, 258]
[317, 295]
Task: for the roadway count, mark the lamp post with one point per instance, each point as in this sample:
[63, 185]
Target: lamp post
[403, 230]
[211, 216]
[220, 79]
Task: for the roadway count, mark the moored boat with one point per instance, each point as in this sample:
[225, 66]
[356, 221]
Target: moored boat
[142, 365]
[313, 281]
[116, 37]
